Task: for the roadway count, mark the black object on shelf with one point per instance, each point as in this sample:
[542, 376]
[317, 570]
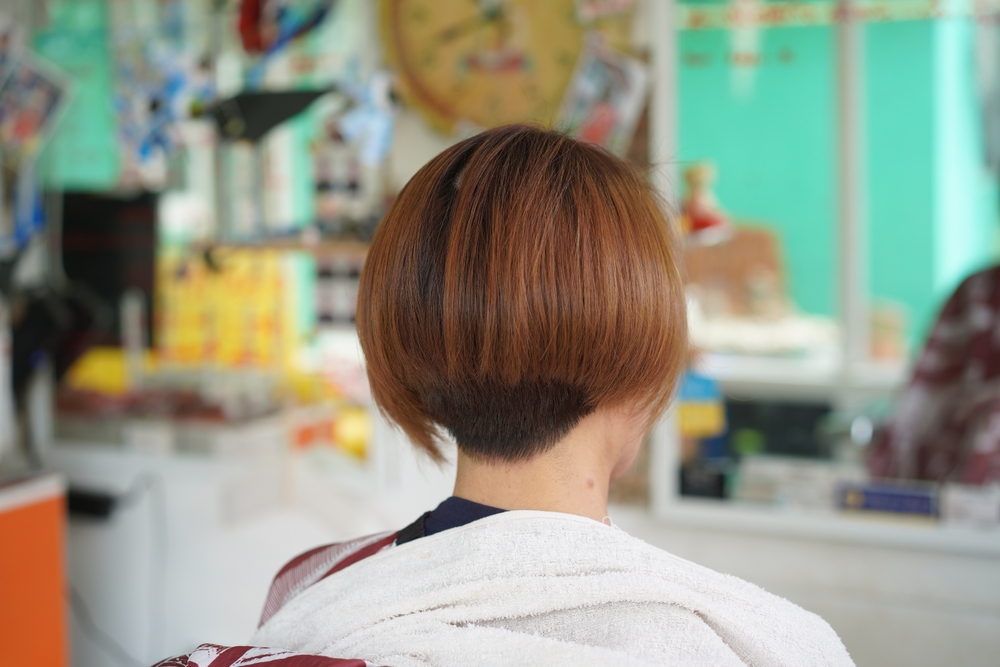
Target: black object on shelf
[703, 479]
[108, 248]
[786, 428]
[251, 115]
[91, 504]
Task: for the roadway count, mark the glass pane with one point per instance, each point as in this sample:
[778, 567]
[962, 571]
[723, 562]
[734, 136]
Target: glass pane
[773, 410]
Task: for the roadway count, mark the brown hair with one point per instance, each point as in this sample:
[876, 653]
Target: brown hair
[520, 280]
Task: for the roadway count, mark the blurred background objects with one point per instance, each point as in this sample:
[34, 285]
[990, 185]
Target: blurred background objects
[187, 191]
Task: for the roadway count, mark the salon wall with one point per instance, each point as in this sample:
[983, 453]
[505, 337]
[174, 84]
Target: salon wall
[768, 130]
[771, 130]
[415, 144]
[82, 154]
[933, 210]
[966, 211]
[899, 67]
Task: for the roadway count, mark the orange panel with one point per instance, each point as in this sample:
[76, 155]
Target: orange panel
[33, 585]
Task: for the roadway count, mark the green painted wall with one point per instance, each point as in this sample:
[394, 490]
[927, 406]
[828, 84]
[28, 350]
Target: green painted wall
[900, 96]
[83, 152]
[966, 215]
[773, 148]
[931, 203]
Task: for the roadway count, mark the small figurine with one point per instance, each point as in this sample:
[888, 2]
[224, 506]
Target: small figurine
[701, 215]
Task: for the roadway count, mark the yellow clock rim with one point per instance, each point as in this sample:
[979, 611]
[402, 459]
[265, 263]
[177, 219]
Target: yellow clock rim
[439, 119]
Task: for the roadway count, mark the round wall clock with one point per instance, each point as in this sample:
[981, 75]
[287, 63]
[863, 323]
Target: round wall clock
[485, 62]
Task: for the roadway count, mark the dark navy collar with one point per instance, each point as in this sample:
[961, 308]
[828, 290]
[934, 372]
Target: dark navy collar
[451, 513]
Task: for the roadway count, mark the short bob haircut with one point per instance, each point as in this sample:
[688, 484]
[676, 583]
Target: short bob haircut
[519, 281]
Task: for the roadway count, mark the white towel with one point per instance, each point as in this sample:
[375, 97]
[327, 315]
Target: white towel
[542, 588]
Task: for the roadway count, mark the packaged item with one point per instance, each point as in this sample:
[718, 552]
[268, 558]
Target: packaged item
[701, 410]
[971, 505]
[794, 481]
[912, 498]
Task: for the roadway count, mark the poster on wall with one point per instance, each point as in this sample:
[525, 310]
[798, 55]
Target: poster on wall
[589, 12]
[31, 97]
[163, 76]
[605, 97]
[11, 43]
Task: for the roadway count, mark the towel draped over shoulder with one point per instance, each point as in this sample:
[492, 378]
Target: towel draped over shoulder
[542, 588]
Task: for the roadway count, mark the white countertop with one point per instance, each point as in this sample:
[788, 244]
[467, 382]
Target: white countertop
[31, 490]
[873, 529]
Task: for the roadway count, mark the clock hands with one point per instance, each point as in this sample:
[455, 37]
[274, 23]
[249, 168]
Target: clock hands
[488, 15]
[492, 51]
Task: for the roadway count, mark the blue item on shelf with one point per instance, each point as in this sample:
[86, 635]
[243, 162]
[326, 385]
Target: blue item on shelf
[888, 497]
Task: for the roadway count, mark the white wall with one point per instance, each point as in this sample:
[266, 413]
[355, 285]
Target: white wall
[192, 558]
[892, 606]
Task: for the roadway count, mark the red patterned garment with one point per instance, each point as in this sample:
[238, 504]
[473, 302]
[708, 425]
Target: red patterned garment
[299, 574]
[947, 422]
[210, 655]
[305, 570]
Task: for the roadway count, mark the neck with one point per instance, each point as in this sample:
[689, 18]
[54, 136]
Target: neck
[572, 477]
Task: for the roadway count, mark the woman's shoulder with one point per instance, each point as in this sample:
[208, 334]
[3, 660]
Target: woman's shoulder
[751, 620]
[532, 569]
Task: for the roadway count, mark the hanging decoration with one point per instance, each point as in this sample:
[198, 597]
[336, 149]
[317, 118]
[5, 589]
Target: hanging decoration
[605, 97]
[797, 14]
[163, 76]
[32, 97]
[269, 27]
[744, 41]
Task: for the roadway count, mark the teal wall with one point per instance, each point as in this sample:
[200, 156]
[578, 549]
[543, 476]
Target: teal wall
[82, 153]
[932, 206]
[900, 93]
[773, 148]
[966, 215]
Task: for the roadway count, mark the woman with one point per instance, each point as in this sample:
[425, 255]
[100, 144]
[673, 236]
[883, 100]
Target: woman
[946, 426]
[522, 296]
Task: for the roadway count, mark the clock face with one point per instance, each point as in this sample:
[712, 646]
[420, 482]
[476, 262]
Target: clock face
[486, 62]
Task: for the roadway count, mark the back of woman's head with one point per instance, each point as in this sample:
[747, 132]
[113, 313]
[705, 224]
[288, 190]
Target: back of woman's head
[520, 281]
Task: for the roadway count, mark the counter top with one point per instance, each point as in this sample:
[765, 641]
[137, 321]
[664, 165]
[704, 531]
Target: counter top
[826, 526]
[30, 490]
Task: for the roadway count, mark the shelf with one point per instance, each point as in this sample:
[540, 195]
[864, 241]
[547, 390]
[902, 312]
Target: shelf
[345, 248]
[877, 530]
[799, 377]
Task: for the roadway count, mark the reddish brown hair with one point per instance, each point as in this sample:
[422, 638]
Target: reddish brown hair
[520, 280]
